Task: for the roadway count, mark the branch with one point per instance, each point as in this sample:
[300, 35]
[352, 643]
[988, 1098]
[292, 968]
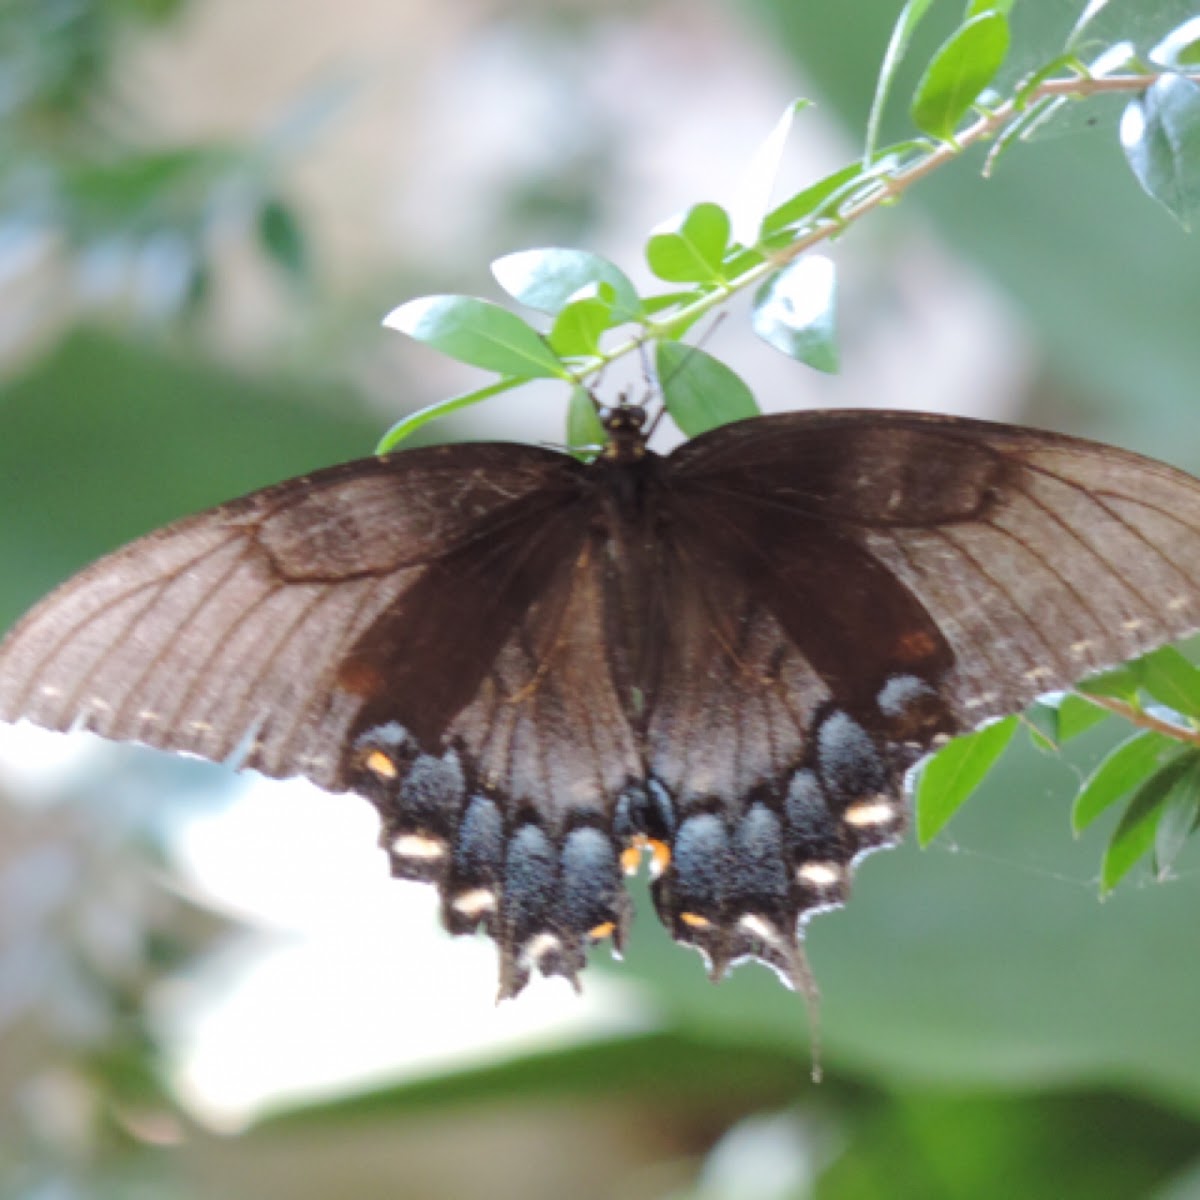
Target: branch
[1142, 719]
[886, 189]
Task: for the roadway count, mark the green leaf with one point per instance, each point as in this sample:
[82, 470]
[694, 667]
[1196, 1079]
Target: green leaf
[806, 203]
[1135, 834]
[700, 391]
[283, 238]
[976, 8]
[478, 332]
[546, 279]
[741, 260]
[826, 197]
[1180, 49]
[1180, 811]
[579, 326]
[754, 190]
[169, 186]
[1121, 683]
[906, 23]
[653, 305]
[1171, 680]
[1077, 714]
[583, 422]
[1041, 720]
[667, 1068]
[795, 311]
[1022, 128]
[1119, 772]
[407, 426]
[1058, 65]
[691, 248]
[948, 779]
[1061, 716]
[966, 63]
[1160, 133]
[1089, 14]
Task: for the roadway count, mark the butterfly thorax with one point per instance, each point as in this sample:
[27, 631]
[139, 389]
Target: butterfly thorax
[626, 433]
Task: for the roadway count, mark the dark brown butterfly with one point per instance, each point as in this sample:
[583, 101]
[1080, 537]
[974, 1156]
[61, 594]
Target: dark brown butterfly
[536, 668]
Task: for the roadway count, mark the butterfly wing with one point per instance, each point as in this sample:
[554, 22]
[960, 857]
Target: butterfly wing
[239, 633]
[534, 668]
[427, 630]
[848, 587]
[1033, 558]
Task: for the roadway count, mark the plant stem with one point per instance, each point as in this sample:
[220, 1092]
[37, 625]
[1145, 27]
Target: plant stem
[883, 189]
[1144, 720]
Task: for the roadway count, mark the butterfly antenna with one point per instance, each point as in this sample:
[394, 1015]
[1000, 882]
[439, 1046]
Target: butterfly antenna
[593, 388]
[649, 375]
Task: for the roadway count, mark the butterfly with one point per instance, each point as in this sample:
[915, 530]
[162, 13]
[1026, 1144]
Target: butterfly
[541, 670]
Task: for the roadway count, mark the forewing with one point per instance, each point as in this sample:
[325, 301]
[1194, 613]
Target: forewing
[1033, 558]
[233, 633]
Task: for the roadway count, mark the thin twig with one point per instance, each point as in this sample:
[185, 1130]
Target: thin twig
[1142, 719]
[885, 189]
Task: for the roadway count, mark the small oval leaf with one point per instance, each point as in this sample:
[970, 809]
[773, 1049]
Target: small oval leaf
[756, 186]
[740, 261]
[579, 326]
[653, 305]
[1180, 811]
[546, 279]
[1091, 11]
[1169, 678]
[407, 426]
[700, 391]
[795, 311]
[950, 776]
[966, 63]
[806, 203]
[691, 248]
[1077, 714]
[1124, 768]
[283, 238]
[976, 8]
[1160, 134]
[1135, 834]
[1120, 683]
[1060, 716]
[906, 23]
[1180, 49]
[583, 422]
[1041, 720]
[477, 332]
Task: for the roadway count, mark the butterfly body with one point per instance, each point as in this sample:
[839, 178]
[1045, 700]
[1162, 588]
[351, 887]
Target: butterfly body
[539, 670]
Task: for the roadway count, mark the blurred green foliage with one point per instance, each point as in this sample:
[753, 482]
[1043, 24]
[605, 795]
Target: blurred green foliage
[84, 177]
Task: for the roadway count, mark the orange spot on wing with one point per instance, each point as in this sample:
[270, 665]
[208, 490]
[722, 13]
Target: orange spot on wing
[383, 766]
[915, 646]
[660, 855]
[359, 677]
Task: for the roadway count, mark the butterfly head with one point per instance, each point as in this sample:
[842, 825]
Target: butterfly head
[625, 427]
